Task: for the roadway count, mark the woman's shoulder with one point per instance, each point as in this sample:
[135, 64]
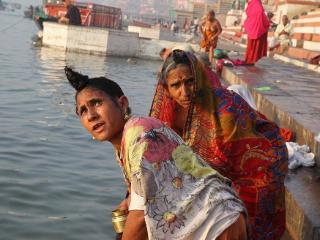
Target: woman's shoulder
[147, 123]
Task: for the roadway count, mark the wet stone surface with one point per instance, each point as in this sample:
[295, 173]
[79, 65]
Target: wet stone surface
[294, 92]
[293, 101]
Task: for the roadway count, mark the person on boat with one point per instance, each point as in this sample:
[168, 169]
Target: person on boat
[227, 133]
[73, 16]
[256, 26]
[174, 193]
[210, 30]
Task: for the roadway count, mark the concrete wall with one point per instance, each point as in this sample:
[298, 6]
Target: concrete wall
[91, 40]
[232, 16]
[105, 41]
[151, 33]
[123, 44]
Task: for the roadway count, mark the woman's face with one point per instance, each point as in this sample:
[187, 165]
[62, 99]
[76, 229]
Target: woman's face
[180, 83]
[102, 117]
[210, 17]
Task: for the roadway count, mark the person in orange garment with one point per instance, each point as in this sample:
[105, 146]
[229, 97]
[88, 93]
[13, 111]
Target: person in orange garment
[236, 140]
[256, 26]
[210, 29]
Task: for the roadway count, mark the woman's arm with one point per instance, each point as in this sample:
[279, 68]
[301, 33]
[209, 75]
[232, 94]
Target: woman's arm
[219, 30]
[201, 25]
[135, 228]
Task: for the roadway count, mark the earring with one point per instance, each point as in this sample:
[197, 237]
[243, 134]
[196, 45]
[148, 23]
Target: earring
[126, 116]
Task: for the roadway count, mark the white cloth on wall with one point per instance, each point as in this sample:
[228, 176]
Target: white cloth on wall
[299, 155]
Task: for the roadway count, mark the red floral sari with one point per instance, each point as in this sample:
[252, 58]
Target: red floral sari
[240, 143]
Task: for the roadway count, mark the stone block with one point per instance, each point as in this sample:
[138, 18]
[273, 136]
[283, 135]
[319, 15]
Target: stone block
[316, 38]
[301, 53]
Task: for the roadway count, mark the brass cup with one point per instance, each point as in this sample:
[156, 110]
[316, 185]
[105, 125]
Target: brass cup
[119, 217]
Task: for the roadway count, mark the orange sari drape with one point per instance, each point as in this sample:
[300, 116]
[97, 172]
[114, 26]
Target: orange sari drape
[207, 40]
[240, 143]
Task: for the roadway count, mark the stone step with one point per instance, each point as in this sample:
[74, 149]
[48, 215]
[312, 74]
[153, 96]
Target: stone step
[307, 45]
[297, 62]
[316, 18]
[315, 12]
[315, 15]
[289, 105]
[306, 37]
[307, 24]
[310, 45]
[294, 99]
[303, 203]
[307, 29]
[300, 53]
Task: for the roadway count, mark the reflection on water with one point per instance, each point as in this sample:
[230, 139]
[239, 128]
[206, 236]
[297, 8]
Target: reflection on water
[56, 182]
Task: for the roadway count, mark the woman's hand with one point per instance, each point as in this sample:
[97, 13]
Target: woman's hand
[125, 203]
[135, 228]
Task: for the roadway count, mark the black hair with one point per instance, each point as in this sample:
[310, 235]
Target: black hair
[176, 58]
[162, 51]
[80, 82]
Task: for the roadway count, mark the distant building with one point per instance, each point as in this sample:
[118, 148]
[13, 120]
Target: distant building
[189, 9]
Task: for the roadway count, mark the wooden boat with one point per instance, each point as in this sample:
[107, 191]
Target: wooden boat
[95, 15]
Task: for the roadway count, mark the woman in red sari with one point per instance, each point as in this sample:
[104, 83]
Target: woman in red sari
[232, 137]
[256, 26]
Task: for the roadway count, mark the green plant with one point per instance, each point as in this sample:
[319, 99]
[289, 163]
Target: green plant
[304, 13]
[295, 17]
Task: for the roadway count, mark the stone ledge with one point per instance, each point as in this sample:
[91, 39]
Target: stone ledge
[303, 204]
[296, 108]
[302, 185]
[297, 62]
[301, 53]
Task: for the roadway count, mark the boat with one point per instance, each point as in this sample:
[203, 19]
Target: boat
[93, 15]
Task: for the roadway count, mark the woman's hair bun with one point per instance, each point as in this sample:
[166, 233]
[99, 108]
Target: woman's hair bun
[180, 57]
[77, 80]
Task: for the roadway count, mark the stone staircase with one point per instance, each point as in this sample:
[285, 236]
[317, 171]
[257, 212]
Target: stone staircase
[305, 39]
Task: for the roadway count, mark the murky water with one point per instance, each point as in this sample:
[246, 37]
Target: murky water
[55, 181]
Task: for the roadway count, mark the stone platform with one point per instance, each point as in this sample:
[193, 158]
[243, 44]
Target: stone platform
[292, 101]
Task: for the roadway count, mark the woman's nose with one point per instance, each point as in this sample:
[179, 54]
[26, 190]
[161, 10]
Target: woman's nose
[92, 115]
[185, 90]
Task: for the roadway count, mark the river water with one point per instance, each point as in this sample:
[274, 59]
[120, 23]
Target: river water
[55, 181]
